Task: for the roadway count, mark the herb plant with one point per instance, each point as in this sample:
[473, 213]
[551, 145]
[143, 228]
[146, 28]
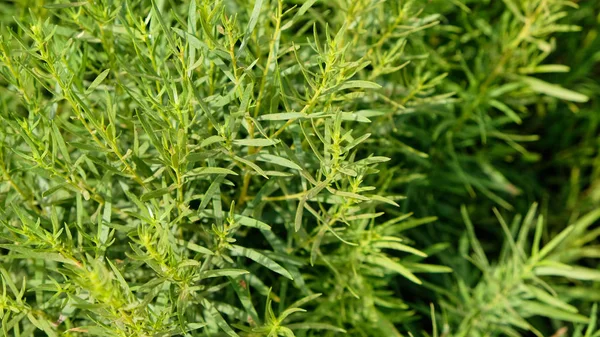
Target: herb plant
[299, 168]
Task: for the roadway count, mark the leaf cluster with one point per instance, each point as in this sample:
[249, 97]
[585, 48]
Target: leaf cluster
[299, 168]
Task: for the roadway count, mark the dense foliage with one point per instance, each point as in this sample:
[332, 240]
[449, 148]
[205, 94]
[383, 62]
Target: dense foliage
[300, 168]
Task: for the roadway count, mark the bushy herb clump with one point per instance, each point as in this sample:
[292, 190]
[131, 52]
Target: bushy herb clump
[299, 168]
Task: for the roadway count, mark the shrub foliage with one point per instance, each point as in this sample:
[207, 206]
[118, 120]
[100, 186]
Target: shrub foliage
[299, 168]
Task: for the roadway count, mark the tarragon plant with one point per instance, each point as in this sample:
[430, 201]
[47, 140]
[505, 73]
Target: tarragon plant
[299, 168]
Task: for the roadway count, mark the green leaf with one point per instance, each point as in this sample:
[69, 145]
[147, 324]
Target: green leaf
[66, 5]
[209, 170]
[97, 81]
[427, 268]
[159, 17]
[593, 321]
[389, 264]
[243, 292]
[260, 259]
[249, 222]
[90, 330]
[356, 141]
[218, 319]
[251, 23]
[472, 237]
[156, 193]
[30, 253]
[223, 272]
[536, 308]
[258, 142]
[269, 158]
[255, 167]
[6, 279]
[585, 221]
[383, 199]
[309, 195]
[507, 111]
[544, 297]
[210, 192]
[537, 238]
[54, 189]
[315, 326]
[572, 272]
[149, 130]
[514, 8]
[284, 116]
[359, 84]
[192, 40]
[62, 146]
[546, 68]
[399, 247]
[212, 140]
[554, 90]
[305, 7]
[554, 243]
[194, 247]
[305, 300]
[352, 116]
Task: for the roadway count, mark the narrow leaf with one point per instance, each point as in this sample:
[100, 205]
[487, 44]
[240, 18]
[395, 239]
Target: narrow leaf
[554, 242]
[284, 116]
[223, 272]
[258, 142]
[260, 259]
[251, 23]
[541, 309]
[387, 263]
[398, 246]
[359, 84]
[97, 81]
[273, 159]
[554, 90]
[66, 5]
[249, 222]
[209, 170]
[156, 193]
[507, 111]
